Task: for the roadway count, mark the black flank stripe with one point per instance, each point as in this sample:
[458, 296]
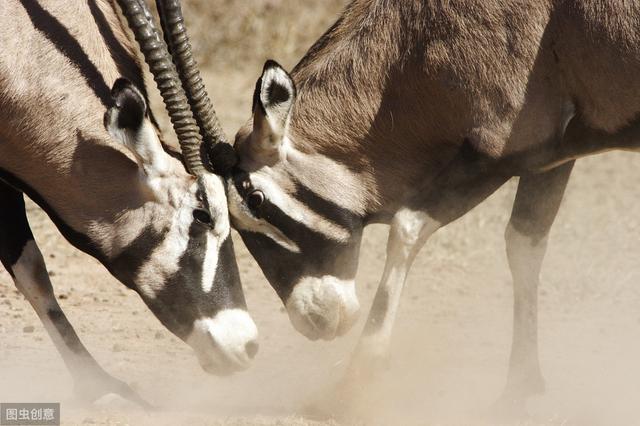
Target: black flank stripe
[77, 239]
[59, 35]
[15, 232]
[325, 208]
[127, 65]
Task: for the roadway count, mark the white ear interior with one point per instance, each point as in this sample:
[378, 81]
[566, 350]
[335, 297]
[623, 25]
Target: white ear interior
[274, 99]
[277, 93]
[142, 139]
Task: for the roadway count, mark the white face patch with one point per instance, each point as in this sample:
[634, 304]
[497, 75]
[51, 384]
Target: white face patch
[217, 200]
[221, 343]
[210, 263]
[324, 307]
[297, 210]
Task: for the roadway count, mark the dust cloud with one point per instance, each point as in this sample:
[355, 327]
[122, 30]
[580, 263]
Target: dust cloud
[451, 343]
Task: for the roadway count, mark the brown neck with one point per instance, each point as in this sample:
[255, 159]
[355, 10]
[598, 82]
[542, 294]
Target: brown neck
[361, 100]
[55, 78]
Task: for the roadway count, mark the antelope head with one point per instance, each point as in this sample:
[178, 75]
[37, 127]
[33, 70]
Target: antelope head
[189, 277]
[282, 203]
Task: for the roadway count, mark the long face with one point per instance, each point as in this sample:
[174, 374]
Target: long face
[176, 251]
[284, 205]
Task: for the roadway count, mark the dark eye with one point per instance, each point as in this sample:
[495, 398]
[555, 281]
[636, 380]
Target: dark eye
[202, 216]
[255, 199]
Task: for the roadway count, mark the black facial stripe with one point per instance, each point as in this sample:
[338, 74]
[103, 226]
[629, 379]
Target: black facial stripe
[127, 264]
[317, 255]
[327, 209]
[289, 226]
[182, 299]
[125, 62]
[51, 28]
[226, 289]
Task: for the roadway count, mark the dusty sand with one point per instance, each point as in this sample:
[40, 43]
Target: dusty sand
[452, 337]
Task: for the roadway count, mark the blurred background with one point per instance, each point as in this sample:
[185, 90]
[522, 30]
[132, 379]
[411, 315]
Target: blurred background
[233, 39]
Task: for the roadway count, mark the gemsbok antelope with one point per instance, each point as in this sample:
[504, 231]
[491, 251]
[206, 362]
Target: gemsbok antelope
[78, 139]
[411, 113]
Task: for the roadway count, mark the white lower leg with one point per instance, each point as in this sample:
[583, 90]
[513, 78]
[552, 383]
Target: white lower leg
[32, 279]
[525, 260]
[409, 231]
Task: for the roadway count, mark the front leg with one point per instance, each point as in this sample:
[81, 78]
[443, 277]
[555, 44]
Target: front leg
[466, 182]
[409, 231]
[534, 210]
[24, 262]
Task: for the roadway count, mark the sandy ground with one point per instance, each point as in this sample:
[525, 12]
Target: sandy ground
[452, 336]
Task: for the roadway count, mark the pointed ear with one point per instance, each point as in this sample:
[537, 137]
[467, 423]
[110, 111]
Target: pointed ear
[125, 121]
[272, 100]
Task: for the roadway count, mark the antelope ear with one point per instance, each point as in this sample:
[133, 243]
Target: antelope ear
[272, 100]
[125, 121]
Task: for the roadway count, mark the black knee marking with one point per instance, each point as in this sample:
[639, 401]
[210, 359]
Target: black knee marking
[14, 228]
[66, 331]
[378, 311]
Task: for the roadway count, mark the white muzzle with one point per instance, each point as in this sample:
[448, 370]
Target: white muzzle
[323, 308]
[225, 343]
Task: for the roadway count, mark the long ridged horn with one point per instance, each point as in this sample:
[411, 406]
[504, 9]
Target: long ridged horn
[168, 81]
[221, 154]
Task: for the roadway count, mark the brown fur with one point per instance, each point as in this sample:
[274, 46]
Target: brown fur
[53, 97]
[416, 78]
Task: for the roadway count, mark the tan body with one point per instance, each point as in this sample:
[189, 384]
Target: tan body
[411, 113]
[77, 138]
[52, 137]
[505, 75]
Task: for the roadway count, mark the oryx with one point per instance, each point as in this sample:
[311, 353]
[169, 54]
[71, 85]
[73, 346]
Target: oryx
[411, 113]
[77, 138]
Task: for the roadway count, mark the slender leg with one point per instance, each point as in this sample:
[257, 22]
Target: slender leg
[534, 210]
[22, 259]
[408, 233]
[462, 186]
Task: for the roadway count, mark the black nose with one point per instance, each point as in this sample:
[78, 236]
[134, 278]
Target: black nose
[252, 348]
